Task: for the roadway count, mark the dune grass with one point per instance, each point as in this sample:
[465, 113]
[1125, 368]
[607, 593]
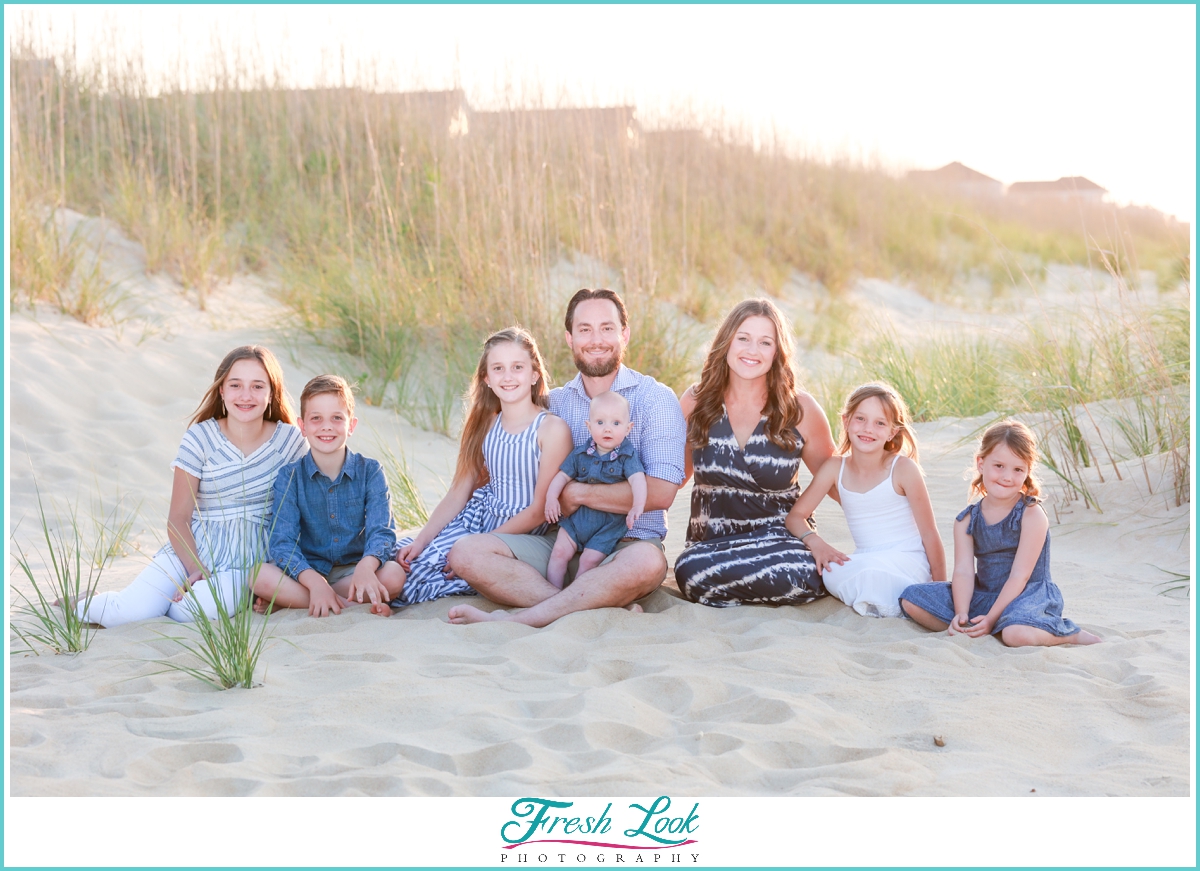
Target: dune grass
[224, 651]
[389, 230]
[73, 562]
[400, 237]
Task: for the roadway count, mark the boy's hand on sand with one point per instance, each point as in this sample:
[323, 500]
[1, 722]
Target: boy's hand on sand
[824, 553]
[370, 587]
[553, 511]
[407, 554]
[324, 600]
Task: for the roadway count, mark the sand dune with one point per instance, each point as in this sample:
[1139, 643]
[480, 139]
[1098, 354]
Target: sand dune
[811, 701]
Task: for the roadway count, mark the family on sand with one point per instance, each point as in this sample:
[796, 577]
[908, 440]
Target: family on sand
[558, 501]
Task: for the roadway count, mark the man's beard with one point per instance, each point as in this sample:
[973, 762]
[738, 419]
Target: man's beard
[599, 368]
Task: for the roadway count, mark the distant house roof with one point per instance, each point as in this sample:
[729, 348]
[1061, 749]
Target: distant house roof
[1066, 184]
[951, 173]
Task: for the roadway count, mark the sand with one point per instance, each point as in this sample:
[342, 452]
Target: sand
[683, 700]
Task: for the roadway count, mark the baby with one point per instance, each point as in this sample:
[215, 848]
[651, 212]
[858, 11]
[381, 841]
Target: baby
[607, 458]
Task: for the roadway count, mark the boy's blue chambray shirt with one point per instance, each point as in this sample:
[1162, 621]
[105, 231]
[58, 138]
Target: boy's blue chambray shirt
[658, 433]
[319, 523]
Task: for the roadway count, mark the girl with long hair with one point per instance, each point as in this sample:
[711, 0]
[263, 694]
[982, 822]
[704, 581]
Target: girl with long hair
[749, 428]
[510, 449]
[238, 439]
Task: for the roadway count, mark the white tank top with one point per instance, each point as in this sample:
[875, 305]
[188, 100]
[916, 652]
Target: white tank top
[881, 517]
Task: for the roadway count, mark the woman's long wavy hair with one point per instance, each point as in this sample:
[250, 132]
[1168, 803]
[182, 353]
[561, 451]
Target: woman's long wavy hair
[279, 407]
[782, 410]
[904, 441]
[483, 405]
[1019, 439]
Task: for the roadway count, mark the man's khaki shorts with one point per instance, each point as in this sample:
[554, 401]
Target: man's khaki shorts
[534, 550]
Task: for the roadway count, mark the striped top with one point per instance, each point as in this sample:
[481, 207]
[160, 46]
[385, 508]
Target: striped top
[233, 499]
[512, 462]
[739, 490]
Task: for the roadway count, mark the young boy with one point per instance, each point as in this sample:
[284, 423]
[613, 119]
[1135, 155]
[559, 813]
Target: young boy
[332, 532]
[607, 459]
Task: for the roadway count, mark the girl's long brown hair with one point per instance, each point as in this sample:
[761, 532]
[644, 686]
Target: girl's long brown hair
[904, 441]
[483, 405]
[1019, 439]
[279, 407]
[782, 410]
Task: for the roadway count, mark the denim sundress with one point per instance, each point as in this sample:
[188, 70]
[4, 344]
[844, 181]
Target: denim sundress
[1040, 604]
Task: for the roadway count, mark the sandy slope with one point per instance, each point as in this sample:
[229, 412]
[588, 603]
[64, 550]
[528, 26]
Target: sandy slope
[683, 699]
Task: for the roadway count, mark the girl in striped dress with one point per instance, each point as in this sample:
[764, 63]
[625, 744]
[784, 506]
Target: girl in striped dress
[749, 428]
[511, 448]
[239, 437]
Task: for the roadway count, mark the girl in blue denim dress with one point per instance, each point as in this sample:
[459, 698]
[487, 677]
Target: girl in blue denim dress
[1001, 583]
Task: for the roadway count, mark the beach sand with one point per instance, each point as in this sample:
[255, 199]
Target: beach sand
[687, 700]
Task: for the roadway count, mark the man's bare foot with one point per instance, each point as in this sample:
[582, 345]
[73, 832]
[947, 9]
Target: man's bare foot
[635, 608]
[471, 614]
[1085, 637]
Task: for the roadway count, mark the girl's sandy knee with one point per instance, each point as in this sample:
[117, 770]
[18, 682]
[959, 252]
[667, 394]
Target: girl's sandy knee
[1020, 636]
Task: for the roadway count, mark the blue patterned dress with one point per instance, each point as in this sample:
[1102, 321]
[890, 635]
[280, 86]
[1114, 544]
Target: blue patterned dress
[1039, 605]
[512, 462]
[738, 550]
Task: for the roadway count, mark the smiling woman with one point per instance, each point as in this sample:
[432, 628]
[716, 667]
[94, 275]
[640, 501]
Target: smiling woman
[240, 436]
[748, 429]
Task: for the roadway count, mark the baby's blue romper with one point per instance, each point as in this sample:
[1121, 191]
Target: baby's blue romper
[588, 527]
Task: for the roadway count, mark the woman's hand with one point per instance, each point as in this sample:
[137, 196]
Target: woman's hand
[407, 554]
[824, 553]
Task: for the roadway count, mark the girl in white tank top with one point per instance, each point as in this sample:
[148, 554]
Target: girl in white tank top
[886, 503]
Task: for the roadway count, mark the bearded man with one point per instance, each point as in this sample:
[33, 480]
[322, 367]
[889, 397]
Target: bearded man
[510, 570]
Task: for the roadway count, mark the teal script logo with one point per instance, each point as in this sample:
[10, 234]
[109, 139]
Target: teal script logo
[543, 820]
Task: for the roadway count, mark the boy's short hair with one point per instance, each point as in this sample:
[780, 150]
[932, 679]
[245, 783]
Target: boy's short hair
[609, 397]
[328, 384]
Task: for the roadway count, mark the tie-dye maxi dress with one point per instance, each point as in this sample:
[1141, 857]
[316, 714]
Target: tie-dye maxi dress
[738, 550]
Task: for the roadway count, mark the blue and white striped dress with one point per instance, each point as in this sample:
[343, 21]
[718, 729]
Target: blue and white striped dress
[230, 524]
[512, 462]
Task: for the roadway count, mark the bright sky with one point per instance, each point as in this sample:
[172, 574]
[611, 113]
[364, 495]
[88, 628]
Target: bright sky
[1017, 92]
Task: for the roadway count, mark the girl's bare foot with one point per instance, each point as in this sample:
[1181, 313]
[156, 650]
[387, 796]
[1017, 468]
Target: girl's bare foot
[383, 609]
[471, 614]
[1085, 637]
[261, 605]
